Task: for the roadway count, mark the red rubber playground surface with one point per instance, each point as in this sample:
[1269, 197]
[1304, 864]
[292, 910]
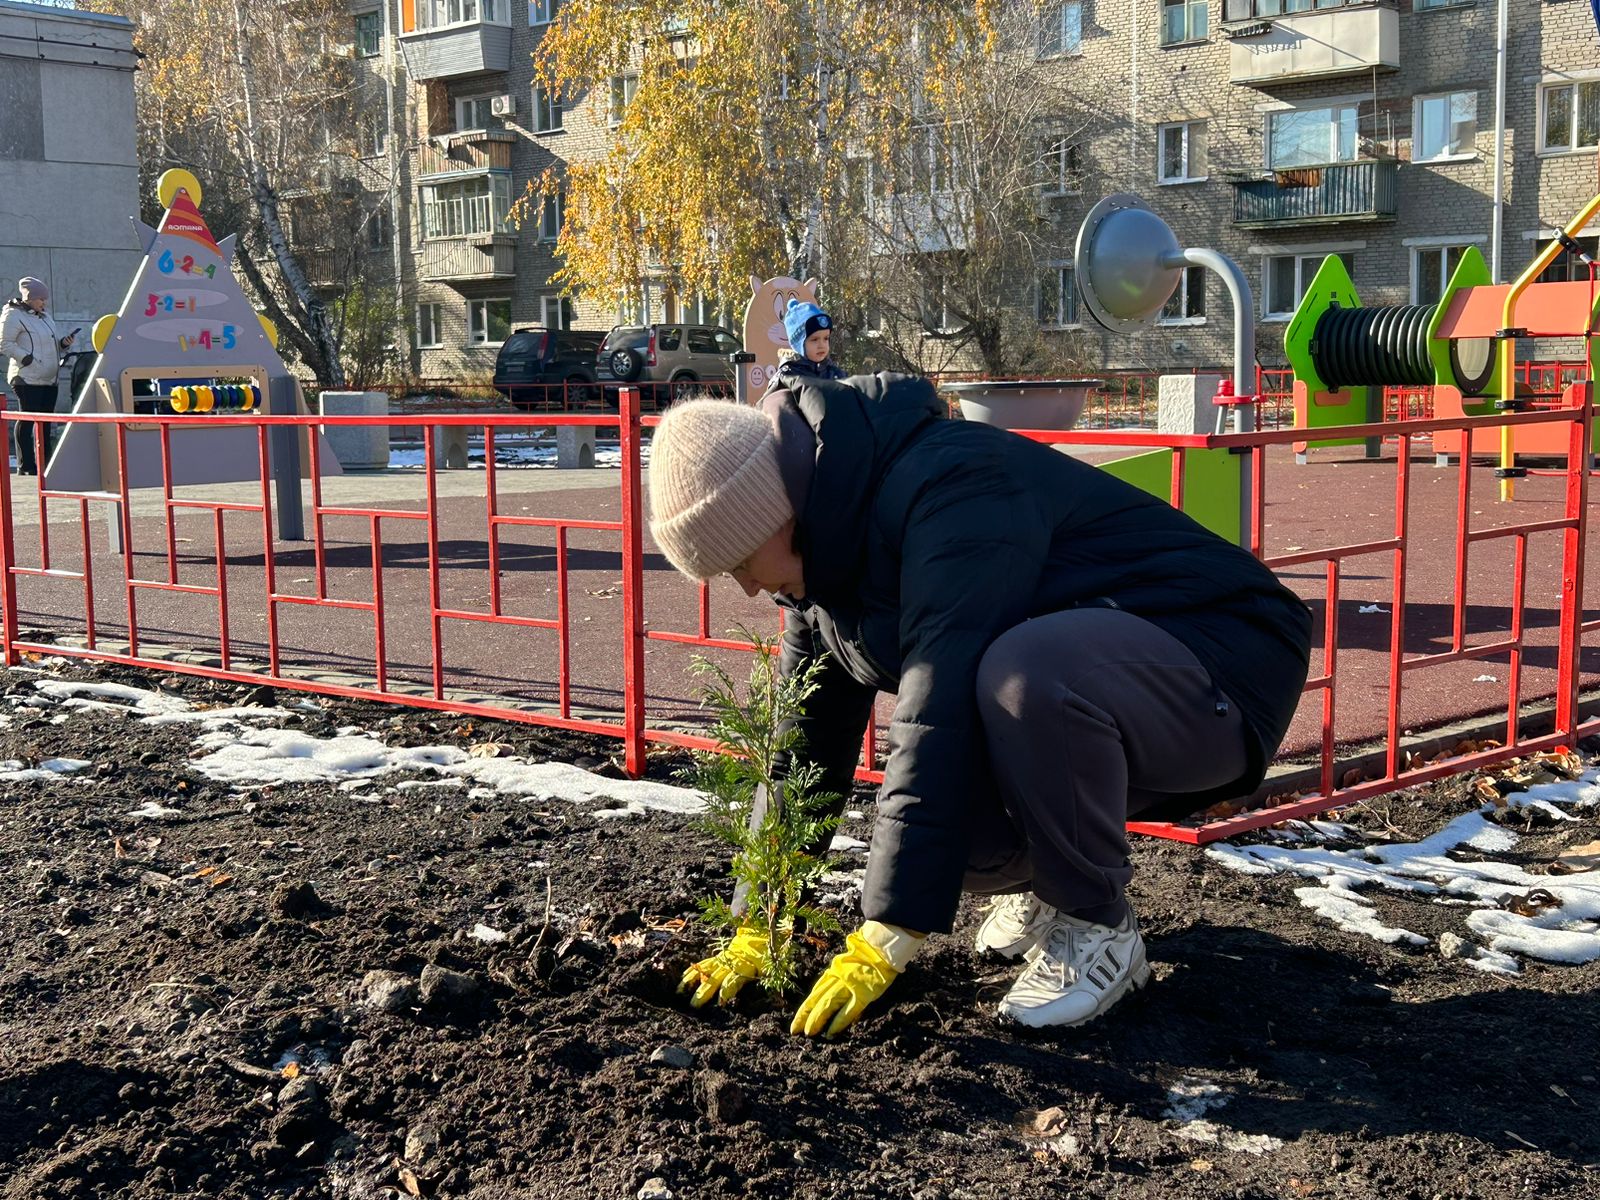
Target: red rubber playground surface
[1340, 498]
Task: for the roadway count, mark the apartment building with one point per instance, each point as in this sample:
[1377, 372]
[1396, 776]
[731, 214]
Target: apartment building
[1281, 131]
[1275, 131]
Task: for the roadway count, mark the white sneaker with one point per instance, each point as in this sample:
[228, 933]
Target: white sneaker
[1075, 972]
[1012, 924]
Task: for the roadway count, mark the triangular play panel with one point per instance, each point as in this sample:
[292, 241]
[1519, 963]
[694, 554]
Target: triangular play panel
[185, 323]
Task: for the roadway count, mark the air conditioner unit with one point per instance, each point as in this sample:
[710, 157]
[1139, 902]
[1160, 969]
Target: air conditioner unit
[503, 106]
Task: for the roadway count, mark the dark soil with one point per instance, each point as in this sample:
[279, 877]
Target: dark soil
[158, 975]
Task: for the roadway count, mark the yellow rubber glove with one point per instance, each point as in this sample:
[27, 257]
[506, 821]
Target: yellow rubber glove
[723, 974]
[876, 954]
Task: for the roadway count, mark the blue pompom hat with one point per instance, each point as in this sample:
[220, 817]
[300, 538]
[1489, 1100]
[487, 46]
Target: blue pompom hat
[801, 320]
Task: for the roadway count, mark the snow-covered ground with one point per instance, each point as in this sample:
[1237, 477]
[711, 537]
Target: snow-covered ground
[1460, 866]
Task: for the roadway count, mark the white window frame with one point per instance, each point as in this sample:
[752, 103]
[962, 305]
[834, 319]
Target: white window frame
[1333, 109]
[1305, 266]
[542, 12]
[1190, 35]
[449, 210]
[1442, 248]
[943, 326]
[481, 305]
[372, 133]
[1191, 281]
[542, 97]
[1188, 175]
[484, 100]
[624, 79]
[434, 339]
[365, 16]
[1417, 123]
[441, 14]
[1065, 276]
[1059, 150]
[380, 228]
[1060, 30]
[552, 215]
[565, 314]
[1576, 83]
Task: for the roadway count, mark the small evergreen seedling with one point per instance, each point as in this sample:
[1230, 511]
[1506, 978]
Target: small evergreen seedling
[771, 860]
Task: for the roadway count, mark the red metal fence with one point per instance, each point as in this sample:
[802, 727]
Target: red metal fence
[458, 593]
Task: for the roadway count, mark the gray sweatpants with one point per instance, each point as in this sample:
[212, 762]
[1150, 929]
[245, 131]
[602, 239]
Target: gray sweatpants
[1091, 716]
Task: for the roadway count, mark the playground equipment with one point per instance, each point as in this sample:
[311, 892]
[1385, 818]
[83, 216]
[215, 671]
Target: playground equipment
[185, 341]
[1129, 264]
[1463, 348]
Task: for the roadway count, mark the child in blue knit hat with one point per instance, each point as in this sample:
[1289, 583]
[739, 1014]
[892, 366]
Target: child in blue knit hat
[810, 333]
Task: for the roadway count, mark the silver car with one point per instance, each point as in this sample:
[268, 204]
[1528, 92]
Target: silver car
[666, 354]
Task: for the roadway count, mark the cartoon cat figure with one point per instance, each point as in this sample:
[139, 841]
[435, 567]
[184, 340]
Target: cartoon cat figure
[763, 325]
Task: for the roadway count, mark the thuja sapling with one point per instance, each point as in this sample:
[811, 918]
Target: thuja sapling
[776, 856]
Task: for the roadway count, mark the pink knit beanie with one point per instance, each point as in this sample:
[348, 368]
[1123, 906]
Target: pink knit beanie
[715, 490]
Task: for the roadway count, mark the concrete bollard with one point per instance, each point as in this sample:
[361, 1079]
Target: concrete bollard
[1184, 405]
[450, 447]
[575, 446]
[357, 447]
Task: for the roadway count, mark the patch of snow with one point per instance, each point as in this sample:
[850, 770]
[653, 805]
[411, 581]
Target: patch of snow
[1486, 679]
[484, 933]
[12, 770]
[1187, 1102]
[265, 757]
[842, 844]
[218, 718]
[407, 785]
[842, 888]
[1567, 931]
[153, 810]
[1372, 608]
[66, 691]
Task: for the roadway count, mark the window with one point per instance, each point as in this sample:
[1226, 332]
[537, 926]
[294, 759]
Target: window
[1571, 116]
[701, 342]
[555, 312]
[1287, 276]
[631, 311]
[380, 228]
[542, 12]
[1256, 10]
[1431, 268]
[1060, 167]
[462, 208]
[936, 314]
[372, 134]
[934, 159]
[1187, 305]
[1061, 29]
[1445, 126]
[488, 321]
[623, 88]
[1182, 21]
[1420, 4]
[1183, 152]
[473, 112]
[430, 334]
[1569, 267]
[1056, 297]
[432, 14]
[1311, 137]
[546, 110]
[551, 215]
[369, 34]
[705, 309]
[725, 342]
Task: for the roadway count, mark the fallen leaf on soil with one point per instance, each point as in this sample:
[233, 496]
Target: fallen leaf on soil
[1534, 903]
[408, 1177]
[203, 872]
[217, 881]
[489, 750]
[1487, 791]
[117, 846]
[1577, 858]
[1301, 1188]
[1222, 809]
[1352, 777]
[1200, 1164]
[291, 1070]
[1564, 761]
[1050, 1122]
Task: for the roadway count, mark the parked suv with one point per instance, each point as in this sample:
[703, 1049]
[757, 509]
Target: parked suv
[666, 354]
[535, 363]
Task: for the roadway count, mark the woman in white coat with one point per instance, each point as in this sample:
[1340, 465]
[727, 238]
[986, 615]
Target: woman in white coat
[30, 339]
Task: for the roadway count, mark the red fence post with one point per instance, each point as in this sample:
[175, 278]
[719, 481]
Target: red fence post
[1571, 639]
[8, 555]
[628, 430]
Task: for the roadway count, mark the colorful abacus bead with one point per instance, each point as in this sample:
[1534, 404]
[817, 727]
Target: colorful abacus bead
[208, 399]
[251, 397]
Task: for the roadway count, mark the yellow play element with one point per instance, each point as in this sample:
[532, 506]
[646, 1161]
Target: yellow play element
[174, 181]
[270, 327]
[100, 335]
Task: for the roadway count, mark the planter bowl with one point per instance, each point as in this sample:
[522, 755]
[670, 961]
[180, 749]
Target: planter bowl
[1024, 403]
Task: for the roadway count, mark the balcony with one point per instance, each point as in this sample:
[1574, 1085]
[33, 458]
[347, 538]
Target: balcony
[464, 153]
[325, 268]
[1357, 191]
[462, 260]
[456, 51]
[1350, 40]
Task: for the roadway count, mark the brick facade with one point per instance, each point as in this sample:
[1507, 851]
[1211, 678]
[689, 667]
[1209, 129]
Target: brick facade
[1123, 70]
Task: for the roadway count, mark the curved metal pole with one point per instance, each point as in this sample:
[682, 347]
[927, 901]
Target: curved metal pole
[1244, 325]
